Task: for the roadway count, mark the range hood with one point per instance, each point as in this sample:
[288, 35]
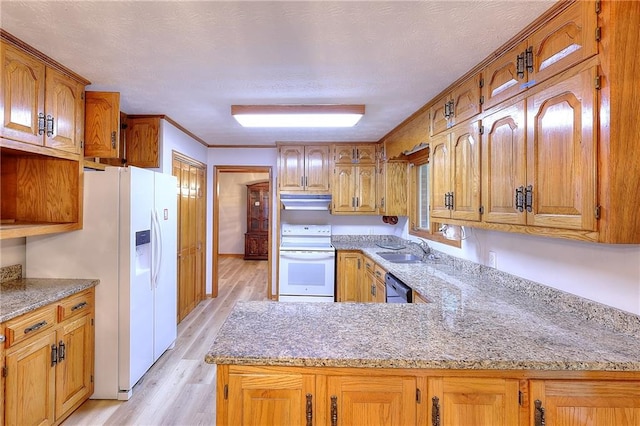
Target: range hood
[305, 201]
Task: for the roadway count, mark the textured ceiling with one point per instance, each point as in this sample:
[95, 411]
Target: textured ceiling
[192, 60]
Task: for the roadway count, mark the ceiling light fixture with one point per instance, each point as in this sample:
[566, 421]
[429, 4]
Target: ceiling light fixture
[328, 115]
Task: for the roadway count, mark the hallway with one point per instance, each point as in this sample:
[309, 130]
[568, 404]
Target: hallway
[179, 389]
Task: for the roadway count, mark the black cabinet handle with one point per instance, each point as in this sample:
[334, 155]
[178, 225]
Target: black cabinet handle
[61, 351]
[334, 410]
[435, 411]
[49, 125]
[78, 306]
[35, 327]
[41, 123]
[309, 409]
[539, 413]
[54, 355]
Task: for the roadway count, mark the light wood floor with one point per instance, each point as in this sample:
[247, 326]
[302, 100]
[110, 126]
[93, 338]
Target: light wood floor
[179, 389]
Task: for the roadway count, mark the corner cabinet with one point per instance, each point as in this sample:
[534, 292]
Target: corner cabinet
[102, 125]
[303, 168]
[256, 239]
[41, 139]
[49, 361]
[392, 188]
[143, 141]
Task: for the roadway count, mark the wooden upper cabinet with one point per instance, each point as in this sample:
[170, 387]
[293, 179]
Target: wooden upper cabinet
[354, 153]
[474, 401]
[582, 403]
[456, 106]
[565, 40]
[392, 188]
[40, 105]
[354, 189]
[504, 172]
[561, 154]
[23, 80]
[303, 168]
[142, 141]
[455, 173]
[102, 125]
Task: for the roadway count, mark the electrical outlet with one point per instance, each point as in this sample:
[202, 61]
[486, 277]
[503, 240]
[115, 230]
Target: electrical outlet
[493, 259]
[370, 231]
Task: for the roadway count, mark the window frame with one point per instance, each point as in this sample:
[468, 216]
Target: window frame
[417, 159]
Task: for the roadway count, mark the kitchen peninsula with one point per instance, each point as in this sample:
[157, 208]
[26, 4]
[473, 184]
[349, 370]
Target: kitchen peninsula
[502, 349]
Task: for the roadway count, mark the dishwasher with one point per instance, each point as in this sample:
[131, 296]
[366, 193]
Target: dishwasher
[397, 291]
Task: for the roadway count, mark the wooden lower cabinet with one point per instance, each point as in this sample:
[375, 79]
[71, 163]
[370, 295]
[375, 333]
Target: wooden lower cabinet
[584, 403]
[49, 373]
[329, 396]
[460, 401]
[349, 276]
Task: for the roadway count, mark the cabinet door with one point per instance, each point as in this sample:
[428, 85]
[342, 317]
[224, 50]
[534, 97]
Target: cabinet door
[393, 185]
[366, 154]
[30, 382]
[348, 277]
[503, 164]
[291, 168]
[143, 141]
[501, 78]
[317, 168]
[439, 116]
[564, 41]
[365, 189]
[344, 153]
[470, 401]
[561, 154]
[466, 100]
[75, 365]
[372, 401]
[22, 91]
[465, 157]
[102, 125]
[64, 108]
[586, 403]
[440, 165]
[269, 399]
[344, 181]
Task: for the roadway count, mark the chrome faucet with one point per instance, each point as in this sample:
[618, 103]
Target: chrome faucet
[424, 246]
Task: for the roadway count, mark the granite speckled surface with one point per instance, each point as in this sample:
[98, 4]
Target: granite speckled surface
[476, 319]
[10, 273]
[28, 294]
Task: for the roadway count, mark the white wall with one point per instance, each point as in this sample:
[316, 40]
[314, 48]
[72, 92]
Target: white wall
[345, 224]
[232, 196]
[605, 273]
[13, 252]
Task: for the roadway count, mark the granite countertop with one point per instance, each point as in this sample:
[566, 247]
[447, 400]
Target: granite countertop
[476, 319]
[24, 295]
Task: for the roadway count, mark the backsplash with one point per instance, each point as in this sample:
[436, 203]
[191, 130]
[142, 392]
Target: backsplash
[10, 273]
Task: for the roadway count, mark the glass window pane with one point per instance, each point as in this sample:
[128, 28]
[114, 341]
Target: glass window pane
[423, 196]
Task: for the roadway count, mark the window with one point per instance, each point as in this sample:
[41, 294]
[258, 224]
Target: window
[420, 224]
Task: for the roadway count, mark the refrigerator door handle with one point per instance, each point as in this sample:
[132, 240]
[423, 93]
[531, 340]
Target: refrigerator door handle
[159, 245]
[154, 249]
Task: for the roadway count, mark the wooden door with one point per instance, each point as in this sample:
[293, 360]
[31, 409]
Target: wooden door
[344, 153]
[30, 382]
[348, 275]
[566, 40]
[470, 401]
[291, 167]
[466, 100]
[392, 188]
[440, 165]
[585, 403]
[501, 78]
[373, 401]
[102, 125]
[22, 91]
[504, 164]
[73, 374]
[191, 201]
[561, 154]
[316, 169]
[344, 188]
[143, 141]
[368, 282]
[64, 103]
[270, 399]
[439, 115]
[365, 189]
[366, 154]
[465, 155]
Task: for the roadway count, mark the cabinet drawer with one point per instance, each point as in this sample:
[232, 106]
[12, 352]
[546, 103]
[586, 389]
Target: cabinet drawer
[369, 265]
[379, 272]
[75, 305]
[29, 325]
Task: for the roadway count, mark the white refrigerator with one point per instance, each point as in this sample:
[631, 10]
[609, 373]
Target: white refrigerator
[129, 242]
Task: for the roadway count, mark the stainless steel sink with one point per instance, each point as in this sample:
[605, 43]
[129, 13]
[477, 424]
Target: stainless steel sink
[400, 257]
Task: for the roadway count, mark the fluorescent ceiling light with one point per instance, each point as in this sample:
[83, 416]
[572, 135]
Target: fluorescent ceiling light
[297, 115]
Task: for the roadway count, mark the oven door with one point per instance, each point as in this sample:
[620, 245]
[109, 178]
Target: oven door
[307, 273]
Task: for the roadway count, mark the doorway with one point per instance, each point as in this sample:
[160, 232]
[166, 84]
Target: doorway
[219, 175]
